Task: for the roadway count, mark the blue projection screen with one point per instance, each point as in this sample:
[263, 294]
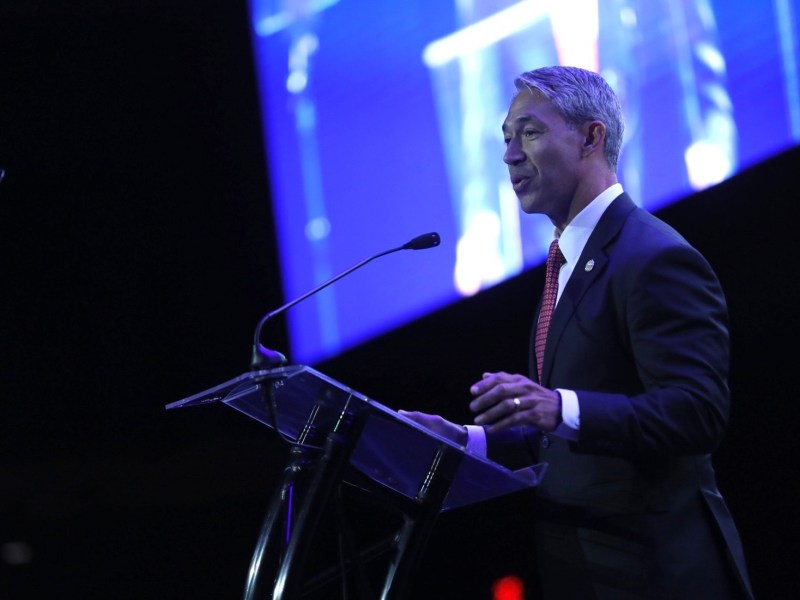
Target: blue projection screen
[382, 122]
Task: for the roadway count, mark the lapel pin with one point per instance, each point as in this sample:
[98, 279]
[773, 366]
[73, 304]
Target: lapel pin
[589, 265]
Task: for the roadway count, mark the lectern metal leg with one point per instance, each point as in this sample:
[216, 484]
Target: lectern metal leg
[273, 538]
[324, 466]
[328, 473]
[413, 535]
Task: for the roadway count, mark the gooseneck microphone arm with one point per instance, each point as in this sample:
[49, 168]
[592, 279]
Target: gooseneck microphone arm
[264, 358]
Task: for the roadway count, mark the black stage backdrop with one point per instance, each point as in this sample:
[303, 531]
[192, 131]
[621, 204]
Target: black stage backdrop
[137, 256]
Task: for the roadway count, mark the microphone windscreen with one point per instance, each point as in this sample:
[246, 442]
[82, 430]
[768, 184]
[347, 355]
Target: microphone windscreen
[421, 242]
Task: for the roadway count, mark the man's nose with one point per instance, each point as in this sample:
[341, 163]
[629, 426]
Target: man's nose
[513, 153]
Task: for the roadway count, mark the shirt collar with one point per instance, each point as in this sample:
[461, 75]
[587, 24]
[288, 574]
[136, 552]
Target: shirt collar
[576, 234]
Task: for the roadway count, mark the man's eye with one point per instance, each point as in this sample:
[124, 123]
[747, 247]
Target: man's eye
[530, 133]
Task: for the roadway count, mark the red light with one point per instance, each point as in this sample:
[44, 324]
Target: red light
[508, 588]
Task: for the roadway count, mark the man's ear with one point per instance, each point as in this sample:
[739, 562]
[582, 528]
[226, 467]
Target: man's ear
[594, 137]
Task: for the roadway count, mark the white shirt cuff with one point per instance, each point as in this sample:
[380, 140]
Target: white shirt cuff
[570, 416]
[570, 409]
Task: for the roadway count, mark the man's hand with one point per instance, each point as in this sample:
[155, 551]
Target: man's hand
[439, 425]
[504, 400]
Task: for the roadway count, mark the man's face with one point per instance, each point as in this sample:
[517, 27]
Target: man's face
[543, 155]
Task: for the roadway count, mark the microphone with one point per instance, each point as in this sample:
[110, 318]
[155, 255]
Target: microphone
[264, 358]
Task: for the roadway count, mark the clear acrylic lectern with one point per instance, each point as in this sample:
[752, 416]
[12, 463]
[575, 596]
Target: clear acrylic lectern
[340, 437]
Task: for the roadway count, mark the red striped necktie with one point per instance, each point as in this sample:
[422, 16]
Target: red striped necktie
[552, 266]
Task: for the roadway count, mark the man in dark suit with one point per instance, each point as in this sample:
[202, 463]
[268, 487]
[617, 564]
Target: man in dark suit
[627, 394]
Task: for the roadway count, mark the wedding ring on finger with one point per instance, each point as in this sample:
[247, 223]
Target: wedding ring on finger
[516, 404]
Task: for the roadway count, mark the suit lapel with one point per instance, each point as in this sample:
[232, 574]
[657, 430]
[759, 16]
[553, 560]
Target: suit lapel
[590, 266]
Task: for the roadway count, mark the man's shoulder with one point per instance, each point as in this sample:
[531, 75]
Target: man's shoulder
[648, 231]
[626, 224]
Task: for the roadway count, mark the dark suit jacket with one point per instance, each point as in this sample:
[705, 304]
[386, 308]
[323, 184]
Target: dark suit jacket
[640, 334]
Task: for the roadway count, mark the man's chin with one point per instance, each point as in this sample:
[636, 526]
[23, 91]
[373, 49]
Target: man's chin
[529, 203]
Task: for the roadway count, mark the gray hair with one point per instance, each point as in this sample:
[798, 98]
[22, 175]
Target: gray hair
[580, 96]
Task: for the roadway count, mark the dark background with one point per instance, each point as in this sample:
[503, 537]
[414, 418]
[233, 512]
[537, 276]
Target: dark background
[138, 254]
